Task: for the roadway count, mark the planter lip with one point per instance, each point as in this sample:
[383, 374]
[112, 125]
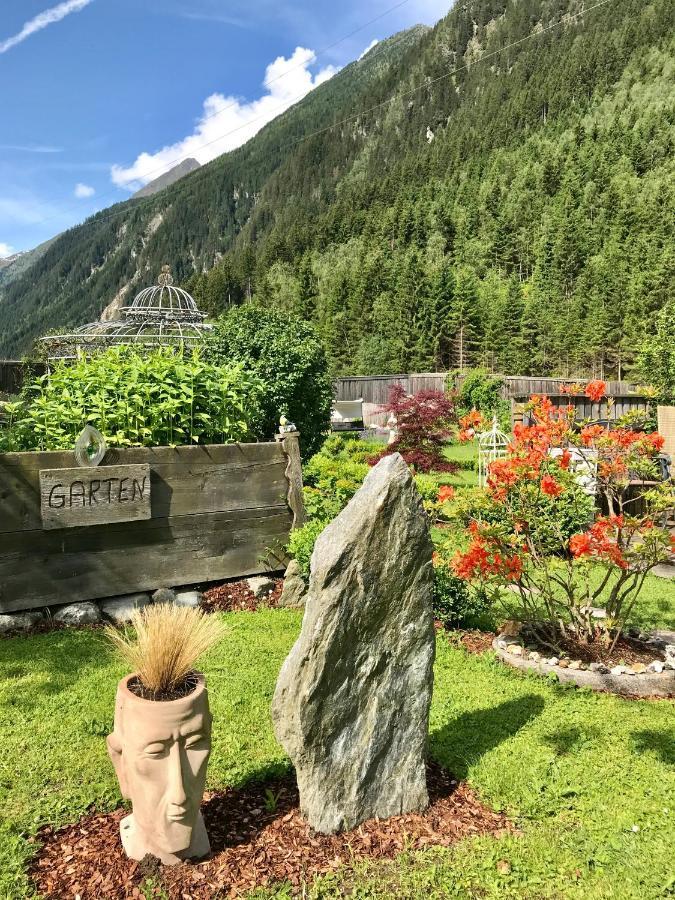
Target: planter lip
[188, 699]
[646, 684]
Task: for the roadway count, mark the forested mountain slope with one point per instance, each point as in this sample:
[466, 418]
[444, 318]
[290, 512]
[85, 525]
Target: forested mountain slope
[509, 206]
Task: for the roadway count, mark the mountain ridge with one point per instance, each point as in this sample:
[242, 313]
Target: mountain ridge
[503, 179]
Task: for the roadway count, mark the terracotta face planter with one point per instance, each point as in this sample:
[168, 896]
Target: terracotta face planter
[160, 750]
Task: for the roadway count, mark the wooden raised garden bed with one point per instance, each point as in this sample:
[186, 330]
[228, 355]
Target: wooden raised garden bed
[215, 512]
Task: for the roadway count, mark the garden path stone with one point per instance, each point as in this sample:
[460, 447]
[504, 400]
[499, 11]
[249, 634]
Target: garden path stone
[351, 705]
[294, 590]
[19, 621]
[119, 609]
[85, 613]
[261, 585]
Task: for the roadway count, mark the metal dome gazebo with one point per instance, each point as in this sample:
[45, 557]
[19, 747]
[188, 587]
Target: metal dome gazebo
[160, 315]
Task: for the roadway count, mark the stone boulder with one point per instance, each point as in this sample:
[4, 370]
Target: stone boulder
[119, 609]
[188, 598]
[294, 590]
[85, 613]
[261, 585]
[22, 621]
[351, 706]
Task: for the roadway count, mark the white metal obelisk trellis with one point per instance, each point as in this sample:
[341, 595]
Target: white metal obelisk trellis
[492, 445]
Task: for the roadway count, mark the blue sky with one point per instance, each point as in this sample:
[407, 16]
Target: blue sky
[100, 96]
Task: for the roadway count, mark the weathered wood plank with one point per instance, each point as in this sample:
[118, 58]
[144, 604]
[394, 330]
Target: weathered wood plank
[44, 568]
[184, 480]
[94, 496]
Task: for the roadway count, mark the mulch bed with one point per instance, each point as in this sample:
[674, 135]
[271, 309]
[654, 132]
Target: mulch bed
[234, 596]
[258, 837]
[625, 653]
[472, 640]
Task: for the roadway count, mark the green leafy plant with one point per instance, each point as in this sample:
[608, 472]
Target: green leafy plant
[288, 356]
[482, 391]
[455, 604]
[156, 398]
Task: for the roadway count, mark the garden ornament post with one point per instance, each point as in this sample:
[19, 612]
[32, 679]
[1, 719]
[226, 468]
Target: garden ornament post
[160, 751]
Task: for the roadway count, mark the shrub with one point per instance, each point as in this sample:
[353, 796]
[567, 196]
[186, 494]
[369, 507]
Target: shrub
[456, 605]
[482, 391]
[154, 398]
[424, 423]
[302, 540]
[288, 356]
[549, 569]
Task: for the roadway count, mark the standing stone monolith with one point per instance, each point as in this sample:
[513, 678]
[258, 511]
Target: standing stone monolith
[351, 706]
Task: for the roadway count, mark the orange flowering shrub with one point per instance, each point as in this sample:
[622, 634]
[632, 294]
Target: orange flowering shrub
[523, 539]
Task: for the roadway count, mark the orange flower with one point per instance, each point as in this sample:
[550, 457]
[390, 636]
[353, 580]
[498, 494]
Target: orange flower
[550, 486]
[596, 390]
[446, 492]
[590, 433]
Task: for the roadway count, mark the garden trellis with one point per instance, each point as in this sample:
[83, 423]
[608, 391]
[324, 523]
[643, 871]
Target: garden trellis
[160, 315]
[492, 445]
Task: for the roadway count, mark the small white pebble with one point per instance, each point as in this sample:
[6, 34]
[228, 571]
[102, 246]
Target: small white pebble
[635, 828]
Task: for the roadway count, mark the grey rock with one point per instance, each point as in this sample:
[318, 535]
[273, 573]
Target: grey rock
[535, 656]
[188, 598]
[516, 649]
[621, 670]
[657, 667]
[85, 613]
[553, 661]
[600, 668]
[164, 595]
[261, 585]
[119, 609]
[351, 706]
[660, 639]
[295, 589]
[575, 664]
[19, 621]
[669, 654]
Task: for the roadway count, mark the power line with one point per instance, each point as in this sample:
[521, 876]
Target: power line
[355, 116]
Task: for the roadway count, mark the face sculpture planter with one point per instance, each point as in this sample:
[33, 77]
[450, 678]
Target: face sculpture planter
[160, 750]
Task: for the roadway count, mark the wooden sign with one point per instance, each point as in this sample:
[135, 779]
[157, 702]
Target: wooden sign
[94, 496]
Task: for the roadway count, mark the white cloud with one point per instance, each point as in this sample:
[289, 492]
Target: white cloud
[83, 190]
[227, 122]
[5, 250]
[42, 20]
[369, 47]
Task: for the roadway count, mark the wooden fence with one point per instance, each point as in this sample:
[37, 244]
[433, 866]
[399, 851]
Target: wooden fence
[586, 409]
[375, 388]
[216, 512]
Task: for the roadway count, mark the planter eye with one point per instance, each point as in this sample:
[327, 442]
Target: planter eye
[155, 750]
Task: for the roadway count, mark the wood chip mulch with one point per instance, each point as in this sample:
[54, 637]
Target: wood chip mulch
[236, 595]
[258, 837]
[472, 640]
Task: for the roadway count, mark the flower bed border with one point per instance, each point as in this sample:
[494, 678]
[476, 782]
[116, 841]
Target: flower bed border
[634, 685]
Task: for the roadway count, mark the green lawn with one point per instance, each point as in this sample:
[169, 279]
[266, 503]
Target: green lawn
[589, 779]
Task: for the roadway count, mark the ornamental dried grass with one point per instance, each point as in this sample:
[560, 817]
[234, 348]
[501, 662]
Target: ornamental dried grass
[167, 642]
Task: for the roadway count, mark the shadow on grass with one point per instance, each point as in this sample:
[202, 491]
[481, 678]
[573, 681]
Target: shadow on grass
[662, 743]
[461, 743]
